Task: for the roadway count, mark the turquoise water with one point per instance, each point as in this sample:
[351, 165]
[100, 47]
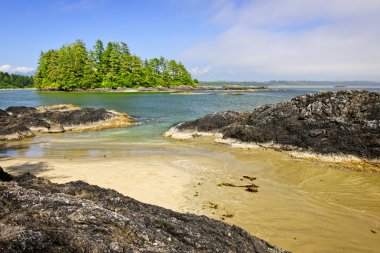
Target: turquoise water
[156, 112]
[300, 206]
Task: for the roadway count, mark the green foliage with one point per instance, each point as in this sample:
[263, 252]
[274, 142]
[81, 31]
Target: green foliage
[15, 81]
[74, 67]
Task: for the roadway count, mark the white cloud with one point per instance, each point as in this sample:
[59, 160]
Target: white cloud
[200, 70]
[292, 39]
[5, 68]
[11, 69]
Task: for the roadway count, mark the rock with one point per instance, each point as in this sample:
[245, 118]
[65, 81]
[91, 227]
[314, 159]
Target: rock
[213, 122]
[5, 176]
[39, 216]
[344, 122]
[21, 121]
[20, 110]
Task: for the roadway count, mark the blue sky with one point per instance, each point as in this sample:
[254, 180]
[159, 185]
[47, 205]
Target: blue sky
[215, 39]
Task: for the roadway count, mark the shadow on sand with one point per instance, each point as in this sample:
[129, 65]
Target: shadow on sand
[35, 168]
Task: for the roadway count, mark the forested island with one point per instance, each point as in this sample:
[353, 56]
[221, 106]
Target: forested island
[15, 81]
[73, 66]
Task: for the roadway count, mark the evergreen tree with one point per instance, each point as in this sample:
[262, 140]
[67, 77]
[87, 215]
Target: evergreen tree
[72, 66]
[97, 62]
[15, 81]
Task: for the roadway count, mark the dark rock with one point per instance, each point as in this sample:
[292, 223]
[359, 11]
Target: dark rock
[20, 110]
[39, 216]
[3, 114]
[20, 122]
[77, 117]
[344, 122]
[213, 122]
[5, 176]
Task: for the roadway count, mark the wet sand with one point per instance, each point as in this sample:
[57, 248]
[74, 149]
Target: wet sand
[301, 207]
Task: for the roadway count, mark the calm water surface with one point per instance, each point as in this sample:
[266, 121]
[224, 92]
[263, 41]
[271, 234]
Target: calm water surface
[301, 207]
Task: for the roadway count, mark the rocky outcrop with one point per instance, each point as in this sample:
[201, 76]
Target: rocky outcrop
[344, 122]
[39, 216]
[21, 121]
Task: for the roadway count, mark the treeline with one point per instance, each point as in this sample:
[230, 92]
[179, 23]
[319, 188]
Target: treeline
[292, 83]
[15, 81]
[74, 67]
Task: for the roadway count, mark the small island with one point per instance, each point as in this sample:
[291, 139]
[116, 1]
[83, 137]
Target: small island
[73, 66]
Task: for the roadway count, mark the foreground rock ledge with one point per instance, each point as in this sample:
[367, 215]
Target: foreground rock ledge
[39, 216]
[344, 122]
[21, 122]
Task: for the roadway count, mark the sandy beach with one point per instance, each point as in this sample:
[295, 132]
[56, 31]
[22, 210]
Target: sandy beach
[325, 200]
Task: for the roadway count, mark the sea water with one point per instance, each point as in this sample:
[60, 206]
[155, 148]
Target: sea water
[299, 206]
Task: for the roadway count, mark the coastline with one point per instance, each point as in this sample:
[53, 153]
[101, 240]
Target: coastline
[17, 89]
[189, 184]
[339, 161]
[339, 129]
[173, 89]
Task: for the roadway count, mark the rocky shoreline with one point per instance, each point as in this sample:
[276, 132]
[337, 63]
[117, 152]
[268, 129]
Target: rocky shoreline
[39, 216]
[173, 89]
[339, 123]
[21, 122]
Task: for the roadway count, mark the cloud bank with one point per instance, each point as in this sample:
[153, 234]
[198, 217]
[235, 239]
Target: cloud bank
[291, 39]
[13, 69]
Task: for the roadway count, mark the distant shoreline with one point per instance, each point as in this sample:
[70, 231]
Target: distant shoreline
[175, 89]
[18, 89]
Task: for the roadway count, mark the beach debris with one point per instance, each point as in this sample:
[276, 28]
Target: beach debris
[248, 187]
[209, 204]
[228, 215]
[249, 178]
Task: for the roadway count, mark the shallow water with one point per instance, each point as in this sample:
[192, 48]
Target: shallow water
[301, 207]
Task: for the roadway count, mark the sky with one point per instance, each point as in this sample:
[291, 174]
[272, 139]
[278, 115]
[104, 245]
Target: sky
[240, 40]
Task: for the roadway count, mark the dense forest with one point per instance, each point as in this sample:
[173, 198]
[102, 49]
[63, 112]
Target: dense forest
[15, 81]
[74, 67]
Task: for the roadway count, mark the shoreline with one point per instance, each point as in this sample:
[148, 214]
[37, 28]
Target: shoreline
[191, 184]
[82, 210]
[17, 89]
[174, 89]
[335, 127]
[338, 161]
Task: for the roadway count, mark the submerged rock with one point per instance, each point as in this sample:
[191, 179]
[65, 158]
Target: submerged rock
[19, 122]
[39, 216]
[344, 122]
